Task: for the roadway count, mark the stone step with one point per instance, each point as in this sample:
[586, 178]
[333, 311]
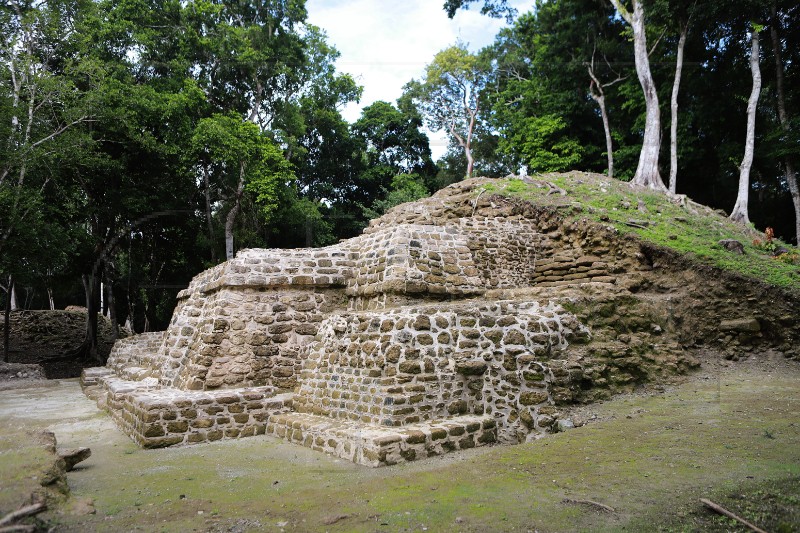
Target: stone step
[91, 376]
[156, 416]
[373, 445]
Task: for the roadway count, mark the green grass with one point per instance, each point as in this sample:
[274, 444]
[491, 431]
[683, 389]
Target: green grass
[692, 230]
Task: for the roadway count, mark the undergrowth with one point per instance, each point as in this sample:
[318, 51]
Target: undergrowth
[655, 217]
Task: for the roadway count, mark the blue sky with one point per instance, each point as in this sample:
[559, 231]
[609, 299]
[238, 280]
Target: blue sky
[386, 43]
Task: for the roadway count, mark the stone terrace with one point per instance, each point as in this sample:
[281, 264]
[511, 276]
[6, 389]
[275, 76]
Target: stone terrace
[380, 349]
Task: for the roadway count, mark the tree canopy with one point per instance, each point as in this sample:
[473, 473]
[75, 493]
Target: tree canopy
[141, 142]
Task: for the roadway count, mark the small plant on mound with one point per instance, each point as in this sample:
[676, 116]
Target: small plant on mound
[774, 248]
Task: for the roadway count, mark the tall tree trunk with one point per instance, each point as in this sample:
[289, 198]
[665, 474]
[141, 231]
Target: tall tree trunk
[607, 129]
[207, 190]
[231, 218]
[50, 299]
[7, 320]
[740, 211]
[91, 286]
[470, 161]
[600, 98]
[112, 310]
[647, 174]
[466, 144]
[673, 126]
[13, 297]
[788, 166]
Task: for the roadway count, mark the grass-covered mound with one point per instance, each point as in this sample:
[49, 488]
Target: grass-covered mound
[676, 223]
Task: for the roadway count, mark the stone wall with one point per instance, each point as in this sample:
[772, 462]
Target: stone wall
[138, 357]
[242, 323]
[236, 337]
[37, 336]
[348, 326]
[156, 417]
[414, 259]
[415, 364]
[380, 447]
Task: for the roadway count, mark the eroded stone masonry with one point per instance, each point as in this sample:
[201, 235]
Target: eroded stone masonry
[449, 323]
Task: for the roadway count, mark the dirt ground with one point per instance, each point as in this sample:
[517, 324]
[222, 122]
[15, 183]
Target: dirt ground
[729, 432]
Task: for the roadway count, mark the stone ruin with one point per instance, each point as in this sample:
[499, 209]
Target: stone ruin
[446, 325]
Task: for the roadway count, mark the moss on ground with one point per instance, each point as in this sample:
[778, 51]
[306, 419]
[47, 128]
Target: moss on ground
[659, 219]
[649, 457]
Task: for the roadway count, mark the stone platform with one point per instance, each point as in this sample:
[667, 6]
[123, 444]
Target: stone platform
[451, 322]
[155, 417]
[374, 446]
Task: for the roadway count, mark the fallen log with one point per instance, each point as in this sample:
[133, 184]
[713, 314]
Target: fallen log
[28, 510]
[721, 510]
[18, 529]
[601, 506]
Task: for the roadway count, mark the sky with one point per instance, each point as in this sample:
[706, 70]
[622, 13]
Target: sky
[386, 43]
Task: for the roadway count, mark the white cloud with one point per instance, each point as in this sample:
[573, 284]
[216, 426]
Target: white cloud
[386, 43]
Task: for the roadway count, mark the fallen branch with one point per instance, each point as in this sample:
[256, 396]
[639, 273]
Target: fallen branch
[636, 224]
[18, 529]
[28, 510]
[542, 184]
[721, 510]
[601, 506]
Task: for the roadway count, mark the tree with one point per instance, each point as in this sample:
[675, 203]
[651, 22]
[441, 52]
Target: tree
[597, 92]
[398, 156]
[245, 160]
[449, 95]
[248, 56]
[536, 93]
[40, 111]
[493, 8]
[393, 137]
[780, 96]
[647, 173]
[681, 12]
[740, 211]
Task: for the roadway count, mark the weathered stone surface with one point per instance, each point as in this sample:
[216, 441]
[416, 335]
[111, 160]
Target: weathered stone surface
[750, 325]
[471, 368]
[532, 397]
[73, 456]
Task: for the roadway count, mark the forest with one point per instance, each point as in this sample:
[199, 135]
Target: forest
[142, 141]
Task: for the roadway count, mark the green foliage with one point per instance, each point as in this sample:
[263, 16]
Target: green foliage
[538, 91]
[493, 8]
[239, 151]
[404, 188]
[148, 106]
[541, 145]
[398, 166]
